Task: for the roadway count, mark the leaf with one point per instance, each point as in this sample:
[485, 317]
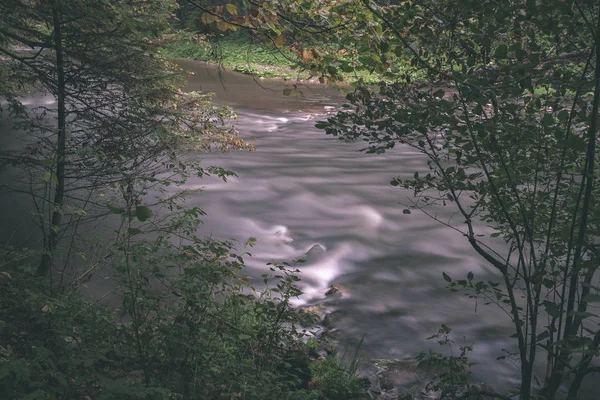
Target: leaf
[406, 211]
[501, 51]
[470, 276]
[5, 275]
[552, 309]
[582, 314]
[287, 91]
[592, 298]
[279, 41]
[143, 213]
[115, 210]
[207, 18]
[134, 231]
[520, 53]
[231, 9]
[547, 120]
[38, 394]
[543, 336]
[446, 277]
[243, 336]
[563, 116]
[306, 54]
[223, 26]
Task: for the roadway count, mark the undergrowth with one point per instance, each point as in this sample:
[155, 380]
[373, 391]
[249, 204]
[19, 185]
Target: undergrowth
[187, 326]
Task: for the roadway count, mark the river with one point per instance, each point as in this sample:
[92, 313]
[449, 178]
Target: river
[303, 192]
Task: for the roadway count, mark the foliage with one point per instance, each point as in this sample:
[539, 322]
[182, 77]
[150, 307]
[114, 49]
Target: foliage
[119, 114]
[319, 45]
[450, 372]
[335, 379]
[188, 323]
[507, 123]
[189, 326]
[237, 53]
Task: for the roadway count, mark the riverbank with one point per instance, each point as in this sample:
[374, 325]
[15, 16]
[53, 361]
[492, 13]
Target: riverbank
[237, 55]
[257, 59]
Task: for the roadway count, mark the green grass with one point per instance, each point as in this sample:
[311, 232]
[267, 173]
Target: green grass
[240, 54]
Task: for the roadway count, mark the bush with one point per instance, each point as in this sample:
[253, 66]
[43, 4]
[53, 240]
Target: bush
[335, 379]
[193, 329]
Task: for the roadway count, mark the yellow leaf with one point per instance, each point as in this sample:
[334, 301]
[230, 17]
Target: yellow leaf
[279, 41]
[231, 9]
[222, 25]
[207, 18]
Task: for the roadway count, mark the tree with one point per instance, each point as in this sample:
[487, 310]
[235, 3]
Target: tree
[507, 119]
[120, 119]
[120, 128]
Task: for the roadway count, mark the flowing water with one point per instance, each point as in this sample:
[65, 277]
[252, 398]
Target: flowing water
[303, 191]
[303, 194]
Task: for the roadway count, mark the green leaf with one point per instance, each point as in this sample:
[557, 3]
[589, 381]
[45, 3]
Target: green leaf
[406, 211]
[501, 51]
[582, 314]
[446, 277]
[547, 120]
[115, 210]
[543, 335]
[592, 298]
[134, 231]
[563, 116]
[243, 336]
[471, 61]
[552, 309]
[143, 213]
[38, 394]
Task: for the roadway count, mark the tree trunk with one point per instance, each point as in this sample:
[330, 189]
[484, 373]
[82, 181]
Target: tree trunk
[59, 191]
[573, 323]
